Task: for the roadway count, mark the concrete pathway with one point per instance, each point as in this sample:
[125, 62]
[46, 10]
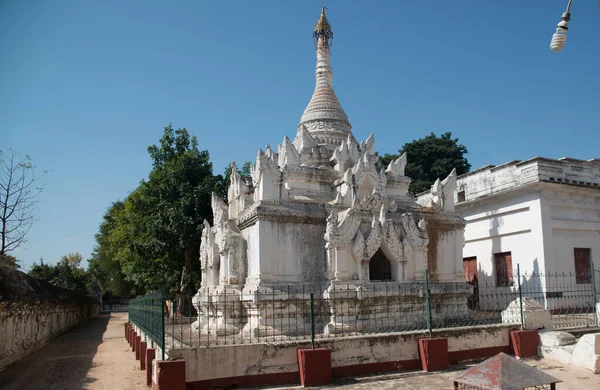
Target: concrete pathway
[91, 356]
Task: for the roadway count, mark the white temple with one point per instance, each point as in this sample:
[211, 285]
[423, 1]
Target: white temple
[322, 211]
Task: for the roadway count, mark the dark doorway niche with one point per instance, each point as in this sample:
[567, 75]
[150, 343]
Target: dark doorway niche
[380, 268]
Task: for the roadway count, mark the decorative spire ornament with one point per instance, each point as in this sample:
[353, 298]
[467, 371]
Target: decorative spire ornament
[324, 116]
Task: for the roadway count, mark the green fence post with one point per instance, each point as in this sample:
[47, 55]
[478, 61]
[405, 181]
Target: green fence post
[428, 303]
[162, 323]
[593, 279]
[595, 292]
[520, 294]
[312, 319]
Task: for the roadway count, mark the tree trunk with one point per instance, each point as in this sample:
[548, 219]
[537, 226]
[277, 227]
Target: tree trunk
[183, 298]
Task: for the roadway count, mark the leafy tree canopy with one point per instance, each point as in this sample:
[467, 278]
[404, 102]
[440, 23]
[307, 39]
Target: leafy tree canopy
[67, 273]
[104, 265]
[154, 234]
[430, 158]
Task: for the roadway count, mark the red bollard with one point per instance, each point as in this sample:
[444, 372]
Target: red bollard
[143, 347]
[150, 355]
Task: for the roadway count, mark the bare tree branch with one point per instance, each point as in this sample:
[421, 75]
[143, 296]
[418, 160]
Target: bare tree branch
[19, 199]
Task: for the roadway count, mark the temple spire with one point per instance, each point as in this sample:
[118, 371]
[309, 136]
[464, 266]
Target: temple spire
[323, 28]
[324, 116]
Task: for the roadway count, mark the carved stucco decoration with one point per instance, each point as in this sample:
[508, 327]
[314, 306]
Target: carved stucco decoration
[441, 195]
[341, 228]
[346, 155]
[209, 257]
[327, 125]
[396, 167]
[415, 232]
[362, 185]
[266, 166]
[288, 154]
[366, 170]
[368, 146]
[573, 199]
[364, 248]
[238, 193]
[344, 237]
[220, 213]
[304, 140]
[230, 243]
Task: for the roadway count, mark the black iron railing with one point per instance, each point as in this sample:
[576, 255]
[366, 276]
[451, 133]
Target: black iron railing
[226, 315]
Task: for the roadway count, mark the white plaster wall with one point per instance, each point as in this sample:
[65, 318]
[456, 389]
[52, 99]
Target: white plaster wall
[572, 219]
[252, 250]
[511, 224]
[254, 359]
[27, 327]
[449, 255]
[290, 252]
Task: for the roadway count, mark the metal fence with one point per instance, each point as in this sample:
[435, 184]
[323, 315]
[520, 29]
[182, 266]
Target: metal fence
[115, 308]
[226, 315]
[147, 313]
[570, 298]
[230, 316]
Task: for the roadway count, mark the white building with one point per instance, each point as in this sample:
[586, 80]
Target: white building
[322, 210]
[540, 214]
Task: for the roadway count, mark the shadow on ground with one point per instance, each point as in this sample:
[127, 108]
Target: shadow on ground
[61, 364]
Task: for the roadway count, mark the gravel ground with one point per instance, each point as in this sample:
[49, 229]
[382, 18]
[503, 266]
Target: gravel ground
[92, 356]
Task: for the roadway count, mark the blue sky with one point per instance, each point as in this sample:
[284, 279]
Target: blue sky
[86, 86]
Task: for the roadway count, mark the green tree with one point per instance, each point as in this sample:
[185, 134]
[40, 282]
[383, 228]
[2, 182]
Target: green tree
[155, 233]
[430, 158]
[104, 264]
[67, 273]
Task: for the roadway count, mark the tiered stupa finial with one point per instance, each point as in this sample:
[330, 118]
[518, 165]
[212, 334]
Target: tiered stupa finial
[324, 116]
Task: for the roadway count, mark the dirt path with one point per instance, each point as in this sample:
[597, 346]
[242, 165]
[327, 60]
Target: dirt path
[92, 356]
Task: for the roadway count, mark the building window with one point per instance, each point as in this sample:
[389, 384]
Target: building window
[583, 265]
[504, 274]
[461, 197]
[470, 268]
[380, 268]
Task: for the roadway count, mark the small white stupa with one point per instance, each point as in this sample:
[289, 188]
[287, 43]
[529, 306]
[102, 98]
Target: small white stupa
[324, 212]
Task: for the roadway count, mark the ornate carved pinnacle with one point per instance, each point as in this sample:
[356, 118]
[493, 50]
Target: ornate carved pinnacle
[323, 28]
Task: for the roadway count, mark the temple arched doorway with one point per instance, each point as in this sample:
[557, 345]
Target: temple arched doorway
[380, 268]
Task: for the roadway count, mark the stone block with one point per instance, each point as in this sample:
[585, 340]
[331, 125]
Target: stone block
[143, 347]
[556, 339]
[561, 354]
[525, 343]
[598, 314]
[433, 354]
[314, 366]
[150, 354]
[138, 340]
[587, 353]
[534, 313]
[168, 375]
